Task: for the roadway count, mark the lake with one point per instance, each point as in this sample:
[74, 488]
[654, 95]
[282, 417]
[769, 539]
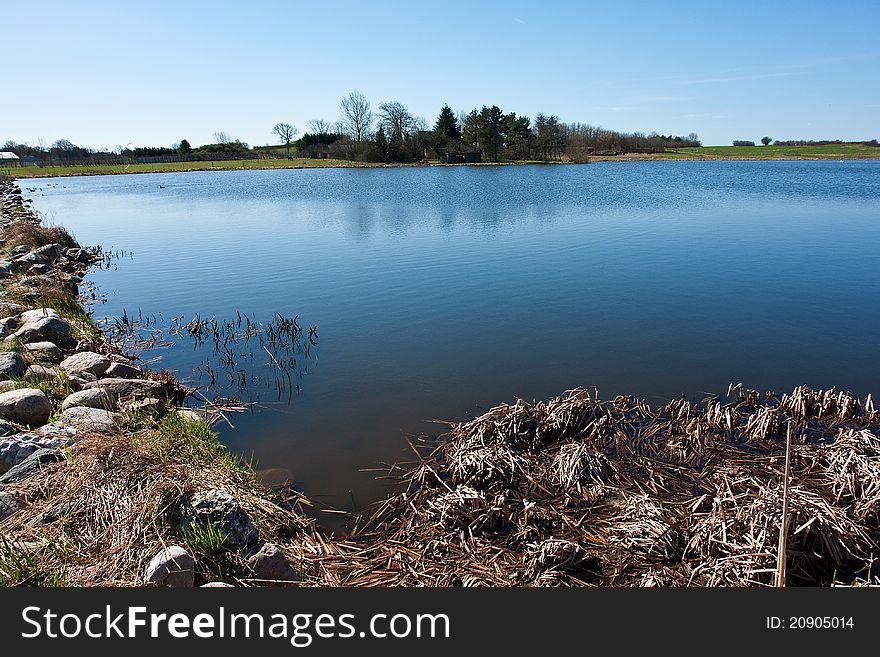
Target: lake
[439, 292]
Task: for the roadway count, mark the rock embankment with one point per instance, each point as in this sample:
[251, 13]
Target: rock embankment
[72, 405]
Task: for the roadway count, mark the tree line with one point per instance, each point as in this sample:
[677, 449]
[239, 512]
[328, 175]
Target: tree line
[391, 133]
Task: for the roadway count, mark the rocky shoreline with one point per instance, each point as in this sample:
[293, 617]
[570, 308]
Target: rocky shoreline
[70, 398]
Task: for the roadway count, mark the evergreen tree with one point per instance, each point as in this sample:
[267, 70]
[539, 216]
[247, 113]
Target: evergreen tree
[382, 143]
[493, 127]
[446, 126]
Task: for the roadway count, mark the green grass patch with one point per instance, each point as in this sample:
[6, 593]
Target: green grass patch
[22, 566]
[160, 167]
[182, 440]
[213, 561]
[840, 151]
[55, 388]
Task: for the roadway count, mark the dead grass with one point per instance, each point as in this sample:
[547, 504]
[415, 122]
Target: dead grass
[625, 495]
[33, 235]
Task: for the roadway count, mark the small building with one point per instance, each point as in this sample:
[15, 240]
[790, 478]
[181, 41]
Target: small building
[468, 157]
[9, 159]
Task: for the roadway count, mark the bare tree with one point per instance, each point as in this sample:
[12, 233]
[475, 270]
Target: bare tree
[397, 120]
[221, 137]
[286, 134]
[356, 115]
[318, 127]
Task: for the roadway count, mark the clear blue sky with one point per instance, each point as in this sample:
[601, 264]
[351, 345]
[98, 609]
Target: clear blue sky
[103, 74]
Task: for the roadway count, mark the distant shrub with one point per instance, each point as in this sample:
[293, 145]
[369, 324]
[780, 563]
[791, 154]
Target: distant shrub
[743, 142]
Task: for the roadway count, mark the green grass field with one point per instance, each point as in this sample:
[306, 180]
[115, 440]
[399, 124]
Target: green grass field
[832, 151]
[85, 170]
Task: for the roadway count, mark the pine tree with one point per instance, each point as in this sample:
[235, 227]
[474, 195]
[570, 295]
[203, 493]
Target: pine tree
[382, 143]
[446, 126]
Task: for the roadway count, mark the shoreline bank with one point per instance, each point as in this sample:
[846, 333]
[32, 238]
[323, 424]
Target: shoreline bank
[28, 172]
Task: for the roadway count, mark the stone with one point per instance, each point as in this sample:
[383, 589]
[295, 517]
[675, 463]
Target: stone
[39, 313]
[15, 449]
[91, 398]
[51, 329]
[172, 566]
[6, 386]
[51, 252]
[26, 406]
[44, 351]
[31, 465]
[11, 364]
[218, 508]
[38, 269]
[86, 361]
[7, 428]
[8, 309]
[7, 327]
[268, 562]
[52, 513]
[216, 585]
[123, 371]
[90, 419]
[40, 373]
[10, 502]
[128, 389]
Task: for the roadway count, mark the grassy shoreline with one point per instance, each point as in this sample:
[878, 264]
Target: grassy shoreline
[704, 153]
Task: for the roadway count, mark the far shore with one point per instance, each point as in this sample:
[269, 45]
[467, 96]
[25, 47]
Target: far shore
[708, 153]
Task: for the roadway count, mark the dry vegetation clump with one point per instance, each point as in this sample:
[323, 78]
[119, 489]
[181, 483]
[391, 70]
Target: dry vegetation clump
[34, 235]
[97, 517]
[580, 491]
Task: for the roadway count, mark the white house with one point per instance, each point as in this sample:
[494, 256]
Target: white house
[8, 158]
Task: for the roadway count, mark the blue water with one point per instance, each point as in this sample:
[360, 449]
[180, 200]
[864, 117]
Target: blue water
[439, 292]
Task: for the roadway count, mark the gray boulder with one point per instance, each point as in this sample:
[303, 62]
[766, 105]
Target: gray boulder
[25, 406]
[8, 309]
[50, 252]
[86, 361]
[51, 329]
[10, 502]
[123, 371]
[218, 508]
[7, 428]
[90, 419]
[7, 327]
[15, 449]
[37, 314]
[172, 566]
[128, 389]
[269, 563]
[44, 351]
[31, 465]
[40, 373]
[216, 585]
[11, 364]
[91, 398]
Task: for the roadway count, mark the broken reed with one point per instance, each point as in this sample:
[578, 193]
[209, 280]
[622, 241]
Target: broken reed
[580, 491]
[234, 344]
